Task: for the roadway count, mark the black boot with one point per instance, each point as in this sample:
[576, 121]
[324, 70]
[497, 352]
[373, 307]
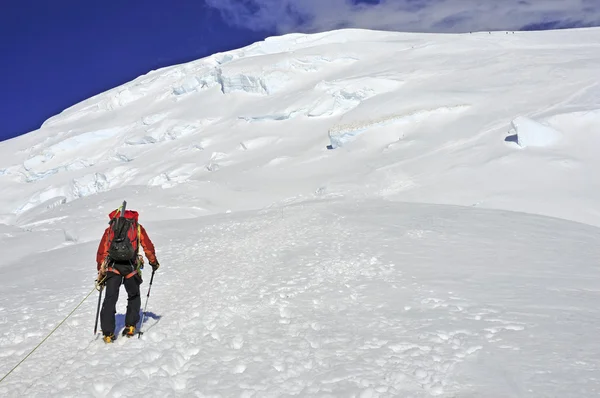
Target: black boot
[129, 331]
[109, 338]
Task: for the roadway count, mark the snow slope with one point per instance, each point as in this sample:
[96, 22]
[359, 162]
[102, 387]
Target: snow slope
[352, 213]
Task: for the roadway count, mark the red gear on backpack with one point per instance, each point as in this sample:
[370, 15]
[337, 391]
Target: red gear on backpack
[144, 240]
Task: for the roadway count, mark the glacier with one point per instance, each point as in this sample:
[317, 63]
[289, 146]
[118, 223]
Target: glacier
[445, 244]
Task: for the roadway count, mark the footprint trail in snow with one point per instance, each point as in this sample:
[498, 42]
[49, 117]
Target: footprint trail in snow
[334, 298]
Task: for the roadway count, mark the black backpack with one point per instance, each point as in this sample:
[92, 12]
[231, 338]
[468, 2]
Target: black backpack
[123, 239]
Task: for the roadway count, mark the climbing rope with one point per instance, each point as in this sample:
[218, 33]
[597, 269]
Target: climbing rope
[50, 334]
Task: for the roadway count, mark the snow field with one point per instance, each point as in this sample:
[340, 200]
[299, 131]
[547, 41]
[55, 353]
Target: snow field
[291, 301]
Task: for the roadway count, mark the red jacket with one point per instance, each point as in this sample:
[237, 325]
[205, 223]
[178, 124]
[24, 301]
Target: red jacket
[145, 241]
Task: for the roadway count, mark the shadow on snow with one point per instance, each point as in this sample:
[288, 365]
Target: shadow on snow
[120, 321]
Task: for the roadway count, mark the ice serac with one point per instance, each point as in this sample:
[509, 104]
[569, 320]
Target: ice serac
[530, 133]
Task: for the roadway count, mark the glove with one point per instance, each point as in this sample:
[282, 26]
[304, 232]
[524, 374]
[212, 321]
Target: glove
[100, 279]
[101, 270]
[155, 266]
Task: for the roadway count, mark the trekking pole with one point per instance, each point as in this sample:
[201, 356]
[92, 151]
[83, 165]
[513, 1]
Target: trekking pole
[146, 305]
[101, 284]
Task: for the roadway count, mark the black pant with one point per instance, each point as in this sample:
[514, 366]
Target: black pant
[113, 284]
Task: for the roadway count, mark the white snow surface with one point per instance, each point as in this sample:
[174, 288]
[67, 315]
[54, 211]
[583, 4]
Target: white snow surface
[445, 244]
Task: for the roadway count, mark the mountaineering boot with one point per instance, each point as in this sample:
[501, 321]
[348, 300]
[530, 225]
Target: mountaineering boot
[129, 331]
[109, 338]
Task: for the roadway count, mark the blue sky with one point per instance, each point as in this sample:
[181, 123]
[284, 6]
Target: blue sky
[58, 53]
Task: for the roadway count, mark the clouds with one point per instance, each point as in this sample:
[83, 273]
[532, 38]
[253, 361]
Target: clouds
[285, 16]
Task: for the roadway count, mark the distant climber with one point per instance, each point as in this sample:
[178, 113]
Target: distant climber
[118, 261]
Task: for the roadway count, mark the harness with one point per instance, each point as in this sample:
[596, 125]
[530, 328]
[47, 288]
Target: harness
[129, 275]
